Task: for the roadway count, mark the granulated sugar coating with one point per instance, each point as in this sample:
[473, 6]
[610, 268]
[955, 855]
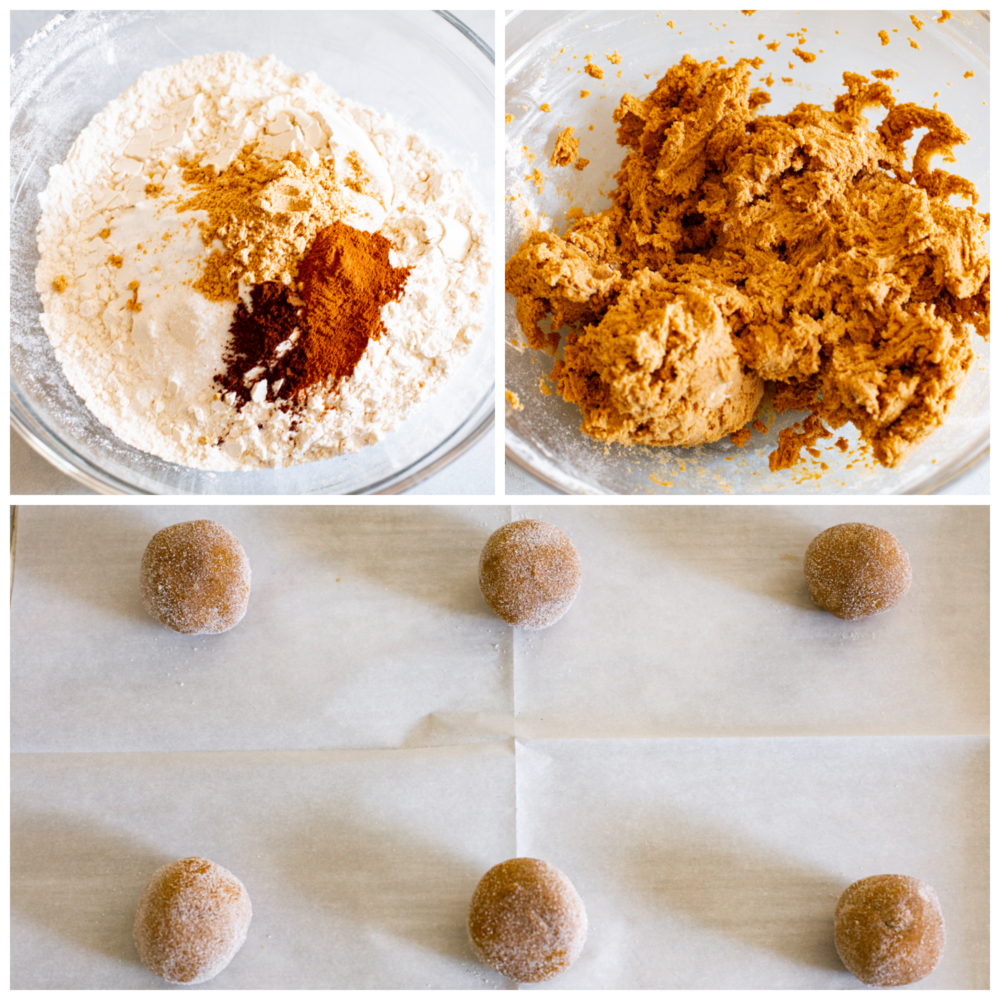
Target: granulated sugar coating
[527, 921]
[857, 570]
[191, 921]
[195, 577]
[529, 573]
[889, 930]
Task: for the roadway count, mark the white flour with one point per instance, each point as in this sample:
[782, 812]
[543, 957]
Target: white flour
[148, 373]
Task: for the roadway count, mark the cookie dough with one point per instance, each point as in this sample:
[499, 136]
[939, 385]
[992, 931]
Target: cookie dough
[806, 249]
[526, 920]
[191, 920]
[529, 573]
[889, 930]
[195, 578]
[856, 570]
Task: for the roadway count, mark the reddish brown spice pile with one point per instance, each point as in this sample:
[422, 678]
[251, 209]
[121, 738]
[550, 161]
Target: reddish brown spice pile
[295, 343]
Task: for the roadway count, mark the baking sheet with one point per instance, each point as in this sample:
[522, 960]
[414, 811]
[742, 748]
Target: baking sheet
[719, 862]
[359, 864]
[360, 750]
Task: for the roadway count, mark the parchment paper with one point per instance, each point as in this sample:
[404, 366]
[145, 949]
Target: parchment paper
[371, 739]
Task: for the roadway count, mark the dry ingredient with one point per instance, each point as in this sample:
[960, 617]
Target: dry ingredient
[282, 344]
[195, 198]
[806, 249]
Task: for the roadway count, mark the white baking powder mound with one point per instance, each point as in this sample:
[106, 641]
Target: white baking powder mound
[142, 347]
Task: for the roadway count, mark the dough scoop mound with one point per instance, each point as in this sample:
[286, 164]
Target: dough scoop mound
[857, 570]
[807, 250]
[195, 578]
[191, 921]
[889, 930]
[529, 573]
[527, 921]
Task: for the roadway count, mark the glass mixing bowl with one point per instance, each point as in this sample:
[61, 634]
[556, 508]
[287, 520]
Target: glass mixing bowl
[546, 51]
[429, 71]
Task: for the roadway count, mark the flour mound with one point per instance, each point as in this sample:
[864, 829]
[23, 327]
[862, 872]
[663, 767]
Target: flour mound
[121, 259]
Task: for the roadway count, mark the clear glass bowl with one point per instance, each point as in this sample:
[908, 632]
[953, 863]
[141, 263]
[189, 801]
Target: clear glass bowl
[429, 71]
[543, 435]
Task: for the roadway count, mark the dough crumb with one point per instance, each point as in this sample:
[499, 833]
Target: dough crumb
[945, 16]
[513, 400]
[614, 58]
[566, 149]
[585, 93]
[591, 70]
[60, 283]
[885, 74]
[913, 44]
[884, 35]
[918, 24]
[806, 57]
[546, 108]
[508, 119]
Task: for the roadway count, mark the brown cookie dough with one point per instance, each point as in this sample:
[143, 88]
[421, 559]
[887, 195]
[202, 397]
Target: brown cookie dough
[195, 578]
[566, 149]
[857, 570]
[526, 920]
[889, 930]
[805, 249]
[529, 573]
[191, 920]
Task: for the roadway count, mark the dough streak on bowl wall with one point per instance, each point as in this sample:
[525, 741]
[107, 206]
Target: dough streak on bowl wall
[171, 241]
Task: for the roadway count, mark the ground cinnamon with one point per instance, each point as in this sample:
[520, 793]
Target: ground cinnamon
[293, 343]
[345, 278]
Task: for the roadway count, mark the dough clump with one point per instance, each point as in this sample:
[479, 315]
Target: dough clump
[889, 930]
[857, 570]
[529, 573]
[191, 921]
[527, 921]
[195, 578]
[806, 250]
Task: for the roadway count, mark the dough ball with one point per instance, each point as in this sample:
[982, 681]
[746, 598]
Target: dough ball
[856, 570]
[196, 577]
[889, 930]
[529, 573]
[192, 919]
[527, 921]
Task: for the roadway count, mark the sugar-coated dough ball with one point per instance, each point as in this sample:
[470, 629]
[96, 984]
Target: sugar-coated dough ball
[196, 577]
[856, 570]
[192, 919]
[529, 573]
[889, 930]
[527, 921]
